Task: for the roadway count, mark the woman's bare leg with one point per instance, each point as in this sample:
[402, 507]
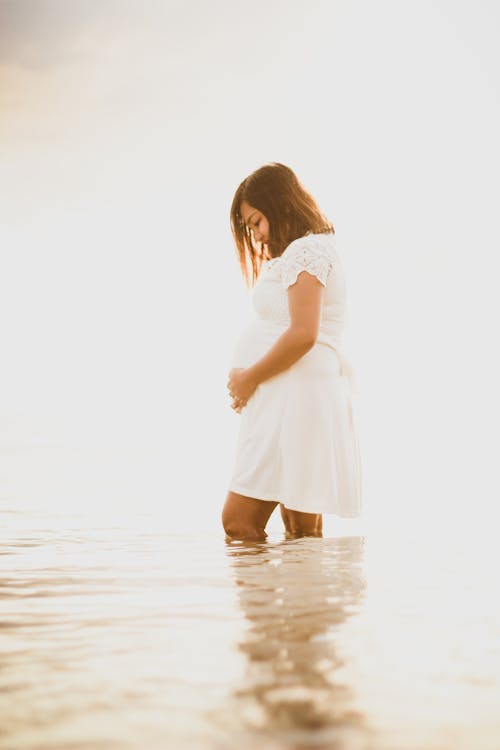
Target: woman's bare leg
[299, 524]
[246, 517]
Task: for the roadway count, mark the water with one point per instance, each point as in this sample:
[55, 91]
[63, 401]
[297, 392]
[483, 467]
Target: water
[121, 634]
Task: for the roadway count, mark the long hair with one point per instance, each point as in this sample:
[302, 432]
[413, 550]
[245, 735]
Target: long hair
[290, 210]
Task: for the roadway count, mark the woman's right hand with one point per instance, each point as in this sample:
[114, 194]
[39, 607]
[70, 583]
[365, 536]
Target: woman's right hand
[237, 405]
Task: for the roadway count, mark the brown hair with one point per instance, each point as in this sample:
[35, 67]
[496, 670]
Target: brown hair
[290, 210]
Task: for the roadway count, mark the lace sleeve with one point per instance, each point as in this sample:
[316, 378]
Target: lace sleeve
[305, 256]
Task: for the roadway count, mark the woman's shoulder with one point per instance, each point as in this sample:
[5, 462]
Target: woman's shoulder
[314, 253]
[322, 243]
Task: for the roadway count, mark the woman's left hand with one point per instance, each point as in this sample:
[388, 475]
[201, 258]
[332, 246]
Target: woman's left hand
[240, 386]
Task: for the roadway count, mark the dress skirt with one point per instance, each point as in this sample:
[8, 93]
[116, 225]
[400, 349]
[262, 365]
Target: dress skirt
[297, 442]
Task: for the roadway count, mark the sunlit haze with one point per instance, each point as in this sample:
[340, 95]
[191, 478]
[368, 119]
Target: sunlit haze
[125, 129]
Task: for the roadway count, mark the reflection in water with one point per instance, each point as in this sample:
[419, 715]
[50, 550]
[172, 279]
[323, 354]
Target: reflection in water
[295, 596]
[116, 633]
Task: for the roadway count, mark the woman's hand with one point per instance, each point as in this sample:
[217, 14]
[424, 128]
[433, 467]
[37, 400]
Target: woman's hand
[235, 404]
[240, 386]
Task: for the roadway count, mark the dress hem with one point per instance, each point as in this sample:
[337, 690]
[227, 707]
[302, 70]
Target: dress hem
[248, 493]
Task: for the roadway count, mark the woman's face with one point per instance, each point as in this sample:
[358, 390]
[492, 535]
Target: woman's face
[256, 222]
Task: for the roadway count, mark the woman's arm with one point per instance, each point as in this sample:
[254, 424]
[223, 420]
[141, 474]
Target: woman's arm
[286, 350]
[305, 299]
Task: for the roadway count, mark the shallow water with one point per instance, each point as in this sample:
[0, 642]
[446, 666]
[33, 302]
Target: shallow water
[122, 635]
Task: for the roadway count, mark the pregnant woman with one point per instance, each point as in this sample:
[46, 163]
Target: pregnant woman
[290, 382]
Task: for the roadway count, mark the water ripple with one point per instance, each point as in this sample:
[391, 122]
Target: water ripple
[129, 636]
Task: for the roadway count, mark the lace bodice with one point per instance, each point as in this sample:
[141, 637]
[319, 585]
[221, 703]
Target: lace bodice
[314, 253]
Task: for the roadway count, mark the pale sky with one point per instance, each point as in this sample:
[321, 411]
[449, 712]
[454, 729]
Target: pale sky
[125, 128]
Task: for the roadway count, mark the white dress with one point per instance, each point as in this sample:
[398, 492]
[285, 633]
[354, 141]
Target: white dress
[297, 441]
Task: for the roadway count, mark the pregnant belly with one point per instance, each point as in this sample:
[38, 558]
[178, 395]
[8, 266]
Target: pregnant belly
[255, 341]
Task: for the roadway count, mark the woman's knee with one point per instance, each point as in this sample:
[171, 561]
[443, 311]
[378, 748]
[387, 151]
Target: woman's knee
[236, 529]
[301, 524]
[245, 518]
